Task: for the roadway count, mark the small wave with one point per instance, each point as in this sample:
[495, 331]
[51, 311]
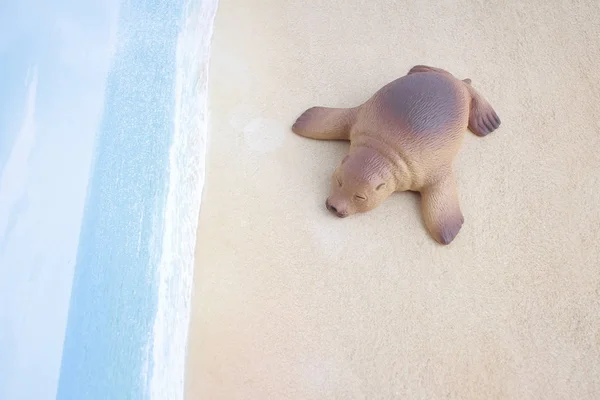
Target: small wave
[186, 182]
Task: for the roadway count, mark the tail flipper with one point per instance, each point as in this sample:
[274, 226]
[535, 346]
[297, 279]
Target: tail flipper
[482, 118]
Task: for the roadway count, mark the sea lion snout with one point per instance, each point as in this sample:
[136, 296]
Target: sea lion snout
[339, 211]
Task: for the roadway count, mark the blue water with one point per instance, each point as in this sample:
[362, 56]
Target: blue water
[102, 146]
[102, 143]
[114, 294]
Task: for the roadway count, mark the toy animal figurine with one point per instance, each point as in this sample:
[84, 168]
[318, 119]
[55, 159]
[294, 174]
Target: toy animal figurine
[404, 138]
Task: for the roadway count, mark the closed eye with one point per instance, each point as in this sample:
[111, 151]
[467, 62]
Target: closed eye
[359, 197]
[339, 182]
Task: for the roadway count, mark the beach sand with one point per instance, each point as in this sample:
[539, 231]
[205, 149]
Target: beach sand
[291, 302]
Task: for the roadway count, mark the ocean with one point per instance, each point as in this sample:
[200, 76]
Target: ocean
[129, 308]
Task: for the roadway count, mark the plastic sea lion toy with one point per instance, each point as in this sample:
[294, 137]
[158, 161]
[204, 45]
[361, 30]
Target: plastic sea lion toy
[404, 138]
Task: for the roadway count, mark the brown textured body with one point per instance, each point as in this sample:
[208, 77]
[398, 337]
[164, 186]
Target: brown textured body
[405, 137]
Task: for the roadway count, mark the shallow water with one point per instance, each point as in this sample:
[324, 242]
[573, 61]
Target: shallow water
[129, 309]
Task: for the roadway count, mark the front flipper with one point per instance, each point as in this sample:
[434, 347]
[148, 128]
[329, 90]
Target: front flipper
[324, 123]
[441, 209]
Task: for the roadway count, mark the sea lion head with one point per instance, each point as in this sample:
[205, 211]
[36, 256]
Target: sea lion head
[360, 183]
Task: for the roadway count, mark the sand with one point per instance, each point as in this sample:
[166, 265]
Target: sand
[291, 302]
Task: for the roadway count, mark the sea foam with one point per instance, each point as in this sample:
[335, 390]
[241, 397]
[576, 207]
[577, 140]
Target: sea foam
[165, 367]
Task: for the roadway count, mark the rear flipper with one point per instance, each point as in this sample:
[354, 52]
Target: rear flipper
[427, 68]
[482, 118]
[324, 123]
